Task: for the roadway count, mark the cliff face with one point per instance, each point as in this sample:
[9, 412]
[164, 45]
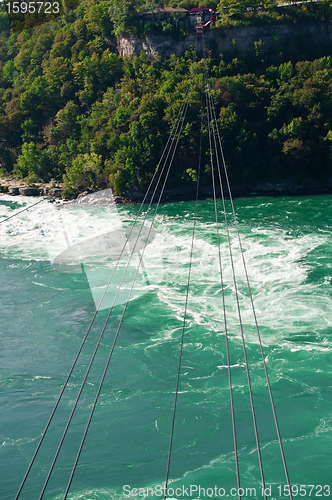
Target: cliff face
[154, 45]
[222, 40]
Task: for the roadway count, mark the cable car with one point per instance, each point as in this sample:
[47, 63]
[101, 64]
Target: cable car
[201, 18]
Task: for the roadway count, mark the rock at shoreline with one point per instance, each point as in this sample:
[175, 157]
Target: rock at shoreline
[28, 191]
[285, 188]
[33, 191]
[14, 191]
[55, 192]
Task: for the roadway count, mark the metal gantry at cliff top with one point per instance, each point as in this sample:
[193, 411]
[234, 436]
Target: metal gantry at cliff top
[201, 18]
[135, 244]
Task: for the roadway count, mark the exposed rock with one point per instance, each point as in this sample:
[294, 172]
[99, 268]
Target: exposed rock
[154, 45]
[15, 187]
[56, 192]
[29, 191]
[222, 40]
[106, 197]
[284, 188]
[14, 191]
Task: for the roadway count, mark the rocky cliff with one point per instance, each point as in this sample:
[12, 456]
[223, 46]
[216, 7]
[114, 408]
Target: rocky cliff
[222, 40]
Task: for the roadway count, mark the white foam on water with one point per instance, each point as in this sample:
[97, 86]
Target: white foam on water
[16, 442]
[286, 302]
[276, 262]
[70, 235]
[277, 268]
[91, 494]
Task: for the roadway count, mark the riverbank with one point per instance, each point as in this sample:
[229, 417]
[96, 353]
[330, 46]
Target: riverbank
[16, 187]
[286, 188]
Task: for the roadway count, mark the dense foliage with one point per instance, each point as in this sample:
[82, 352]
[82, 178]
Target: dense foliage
[71, 109]
[230, 13]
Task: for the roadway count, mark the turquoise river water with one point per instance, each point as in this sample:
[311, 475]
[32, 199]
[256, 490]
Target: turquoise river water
[45, 314]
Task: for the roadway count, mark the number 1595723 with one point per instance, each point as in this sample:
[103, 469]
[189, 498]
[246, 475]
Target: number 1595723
[33, 7]
[305, 490]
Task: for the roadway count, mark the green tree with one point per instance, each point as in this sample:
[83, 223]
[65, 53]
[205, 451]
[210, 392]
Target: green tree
[30, 162]
[37, 101]
[9, 70]
[84, 173]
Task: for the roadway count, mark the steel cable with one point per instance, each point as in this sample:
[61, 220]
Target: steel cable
[229, 245]
[98, 344]
[184, 320]
[237, 302]
[174, 139]
[208, 108]
[121, 321]
[250, 293]
[24, 209]
[171, 138]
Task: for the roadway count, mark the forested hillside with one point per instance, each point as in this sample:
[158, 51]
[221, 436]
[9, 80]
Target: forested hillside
[71, 109]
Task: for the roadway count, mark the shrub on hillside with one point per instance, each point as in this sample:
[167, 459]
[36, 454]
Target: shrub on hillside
[84, 173]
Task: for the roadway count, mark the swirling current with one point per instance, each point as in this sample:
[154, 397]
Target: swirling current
[45, 313]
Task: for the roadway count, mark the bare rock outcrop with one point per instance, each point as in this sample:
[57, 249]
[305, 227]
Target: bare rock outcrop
[222, 40]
